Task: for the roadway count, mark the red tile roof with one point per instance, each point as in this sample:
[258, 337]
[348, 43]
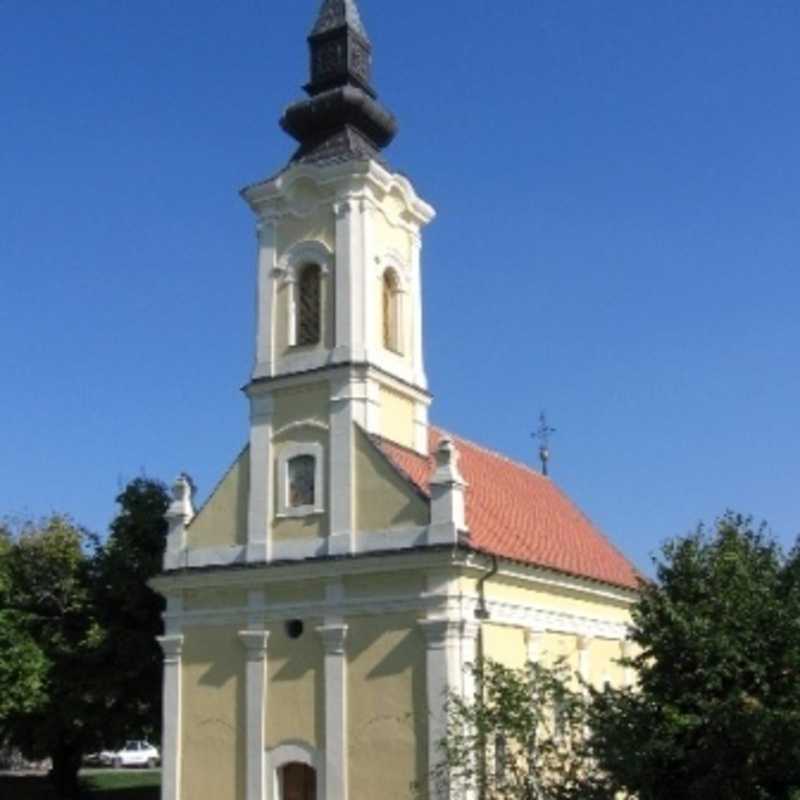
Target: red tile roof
[516, 513]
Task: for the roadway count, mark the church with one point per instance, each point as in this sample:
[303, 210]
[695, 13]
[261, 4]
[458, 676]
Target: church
[355, 558]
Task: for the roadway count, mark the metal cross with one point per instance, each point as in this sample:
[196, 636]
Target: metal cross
[543, 435]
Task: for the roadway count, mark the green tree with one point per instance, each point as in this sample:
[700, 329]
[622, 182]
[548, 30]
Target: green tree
[22, 664]
[716, 713]
[130, 612]
[80, 667]
[520, 737]
[47, 572]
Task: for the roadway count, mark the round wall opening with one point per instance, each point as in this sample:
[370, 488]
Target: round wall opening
[294, 628]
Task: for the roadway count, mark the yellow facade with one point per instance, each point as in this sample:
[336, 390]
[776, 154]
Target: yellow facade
[384, 500]
[387, 723]
[397, 417]
[222, 522]
[213, 708]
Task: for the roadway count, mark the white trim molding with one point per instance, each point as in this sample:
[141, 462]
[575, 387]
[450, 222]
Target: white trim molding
[336, 744]
[255, 644]
[285, 454]
[442, 675]
[293, 752]
[172, 647]
[260, 506]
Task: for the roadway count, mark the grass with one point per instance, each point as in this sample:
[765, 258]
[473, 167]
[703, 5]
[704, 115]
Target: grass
[98, 785]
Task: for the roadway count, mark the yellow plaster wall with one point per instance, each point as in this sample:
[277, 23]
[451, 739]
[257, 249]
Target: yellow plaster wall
[310, 401]
[222, 521]
[214, 599]
[397, 417]
[292, 593]
[213, 686]
[603, 654]
[387, 720]
[505, 644]
[560, 646]
[383, 498]
[388, 584]
[295, 695]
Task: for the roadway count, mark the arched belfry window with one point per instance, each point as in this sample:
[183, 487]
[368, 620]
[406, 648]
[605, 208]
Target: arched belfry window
[309, 306]
[392, 333]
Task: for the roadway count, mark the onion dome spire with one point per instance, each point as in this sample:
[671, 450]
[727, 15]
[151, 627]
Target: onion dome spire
[342, 119]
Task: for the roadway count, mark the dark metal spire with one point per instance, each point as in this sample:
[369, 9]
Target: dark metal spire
[342, 120]
[543, 435]
[336, 13]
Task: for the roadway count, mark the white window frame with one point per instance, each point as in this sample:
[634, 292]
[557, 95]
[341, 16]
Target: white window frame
[294, 752]
[286, 453]
[393, 261]
[290, 267]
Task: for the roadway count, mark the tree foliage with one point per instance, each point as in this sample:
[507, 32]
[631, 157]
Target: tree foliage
[520, 737]
[130, 612]
[717, 709]
[22, 663]
[79, 663]
[49, 599]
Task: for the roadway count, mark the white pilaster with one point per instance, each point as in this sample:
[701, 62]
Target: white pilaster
[260, 506]
[442, 676]
[342, 467]
[265, 298]
[415, 308]
[350, 281]
[534, 644]
[470, 633]
[255, 644]
[172, 647]
[333, 641]
[421, 429]
[584, 658]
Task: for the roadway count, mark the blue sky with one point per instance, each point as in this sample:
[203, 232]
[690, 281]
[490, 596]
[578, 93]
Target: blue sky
[617, 240]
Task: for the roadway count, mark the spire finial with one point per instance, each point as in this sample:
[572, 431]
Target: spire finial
[543, 434]
[342, 120]
[339, 14]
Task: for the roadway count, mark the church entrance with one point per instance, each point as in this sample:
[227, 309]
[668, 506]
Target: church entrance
[298, 782]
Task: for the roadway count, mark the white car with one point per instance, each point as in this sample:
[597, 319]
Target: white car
[136, 753]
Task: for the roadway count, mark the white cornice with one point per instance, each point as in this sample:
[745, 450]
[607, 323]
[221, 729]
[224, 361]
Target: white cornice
[272, 198]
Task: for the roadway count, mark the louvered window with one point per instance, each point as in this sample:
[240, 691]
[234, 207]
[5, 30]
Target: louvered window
[309, 316]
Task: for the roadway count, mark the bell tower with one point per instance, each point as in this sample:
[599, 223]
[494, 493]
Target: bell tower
[339, 348]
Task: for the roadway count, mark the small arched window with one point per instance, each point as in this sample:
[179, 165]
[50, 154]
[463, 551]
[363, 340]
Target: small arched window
[391, 312]
[301, 481]
[309, 306]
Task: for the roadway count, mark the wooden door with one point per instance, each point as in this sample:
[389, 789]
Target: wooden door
[299, 782]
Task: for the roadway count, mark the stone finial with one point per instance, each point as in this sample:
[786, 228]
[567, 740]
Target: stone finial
[448, 490]
[180, 512]
[447, 471]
